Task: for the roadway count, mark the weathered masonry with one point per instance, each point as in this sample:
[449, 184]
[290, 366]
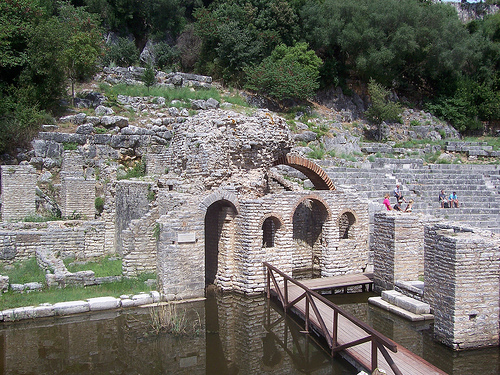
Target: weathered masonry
[222, 240]
[460, 269]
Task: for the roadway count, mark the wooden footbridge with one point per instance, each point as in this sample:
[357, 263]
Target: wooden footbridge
[343, 333]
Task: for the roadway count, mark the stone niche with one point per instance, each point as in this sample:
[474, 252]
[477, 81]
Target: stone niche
[462, 272]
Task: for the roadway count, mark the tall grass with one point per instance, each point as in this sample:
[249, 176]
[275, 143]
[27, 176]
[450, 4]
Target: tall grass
[107, 266]
[170, 319]
[23, 272]
[183, 93]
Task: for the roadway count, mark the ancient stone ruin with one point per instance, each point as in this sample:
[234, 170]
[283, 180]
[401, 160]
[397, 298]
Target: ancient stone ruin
[224, 192]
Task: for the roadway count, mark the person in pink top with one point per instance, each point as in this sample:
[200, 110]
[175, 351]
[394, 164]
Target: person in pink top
[387, 202]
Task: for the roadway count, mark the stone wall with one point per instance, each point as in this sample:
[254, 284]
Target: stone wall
[462, 270]
[131, 203]
[240, 251]
[18, 192]
[398, 249]
[77, 197]
[68, 239]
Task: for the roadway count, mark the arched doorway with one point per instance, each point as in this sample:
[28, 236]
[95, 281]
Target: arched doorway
[219, 242]
[308, 220]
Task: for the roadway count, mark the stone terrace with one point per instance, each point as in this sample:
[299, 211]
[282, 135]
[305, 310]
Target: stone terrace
[477, 187]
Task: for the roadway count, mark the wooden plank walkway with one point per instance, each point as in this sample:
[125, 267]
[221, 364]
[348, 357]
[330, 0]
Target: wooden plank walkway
[346, 334]
[338, 282]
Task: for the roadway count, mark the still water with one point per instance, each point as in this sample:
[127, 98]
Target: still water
[235, 335]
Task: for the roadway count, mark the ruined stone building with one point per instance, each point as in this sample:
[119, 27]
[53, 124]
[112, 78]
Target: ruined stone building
[215, 204]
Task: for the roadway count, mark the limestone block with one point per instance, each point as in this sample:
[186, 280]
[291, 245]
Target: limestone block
[71, 307]
[142, 299]
[127, 302]
[390, 296]
[18, 313]
[103, 303]
[44, 310]
[413, 305]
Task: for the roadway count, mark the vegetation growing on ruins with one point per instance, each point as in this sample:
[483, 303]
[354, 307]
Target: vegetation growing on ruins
[284, 49]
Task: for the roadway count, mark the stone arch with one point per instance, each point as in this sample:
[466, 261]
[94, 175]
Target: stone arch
[309, 219]
[346, 220]
[220, 195]
[313, 172]
[270, 224]
[220, 210]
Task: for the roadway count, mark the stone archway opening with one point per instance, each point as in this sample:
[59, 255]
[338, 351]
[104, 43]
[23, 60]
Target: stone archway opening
[219, 241]
[312, 171]
[346, 221]
[269, 228]
[308, 221]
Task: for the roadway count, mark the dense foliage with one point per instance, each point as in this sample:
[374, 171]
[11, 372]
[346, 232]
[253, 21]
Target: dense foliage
[285, 49]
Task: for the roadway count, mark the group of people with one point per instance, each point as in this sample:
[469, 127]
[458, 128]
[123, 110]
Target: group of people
[398, 194]
[448, 202]
[444, 201]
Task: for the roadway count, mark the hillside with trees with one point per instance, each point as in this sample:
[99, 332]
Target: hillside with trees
[418, 51]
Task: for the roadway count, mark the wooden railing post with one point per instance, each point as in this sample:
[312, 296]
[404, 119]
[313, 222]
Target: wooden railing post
[268, 277]
[374, 354]
[335, 329]
[307, 312]
[285, 305]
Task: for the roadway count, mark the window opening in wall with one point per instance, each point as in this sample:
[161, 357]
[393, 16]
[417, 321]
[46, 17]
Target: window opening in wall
[346, 221]
[269, 228]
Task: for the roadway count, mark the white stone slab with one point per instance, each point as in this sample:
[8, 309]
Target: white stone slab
[103, 303]
[71, 307]
[188, 237]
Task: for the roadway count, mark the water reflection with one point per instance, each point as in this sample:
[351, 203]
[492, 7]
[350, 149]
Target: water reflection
[239, 335]
[418, 338]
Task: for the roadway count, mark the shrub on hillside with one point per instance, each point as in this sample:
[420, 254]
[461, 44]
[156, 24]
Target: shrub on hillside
[289, 73]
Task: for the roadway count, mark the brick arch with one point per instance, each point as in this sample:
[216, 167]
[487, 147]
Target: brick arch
[220, 195]
[313, 172]
[273, 215]
[314, 198]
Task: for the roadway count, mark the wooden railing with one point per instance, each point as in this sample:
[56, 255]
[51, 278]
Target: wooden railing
[378, 341]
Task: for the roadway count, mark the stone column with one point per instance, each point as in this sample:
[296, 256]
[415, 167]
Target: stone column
[18, 191]
[397, 249]
[462, 286]
[78, 197]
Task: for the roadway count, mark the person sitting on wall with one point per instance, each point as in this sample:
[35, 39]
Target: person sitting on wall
[397, 206]
[398, 193]
[409, 206]
[443, 201]
[453, 200]
[387, 202]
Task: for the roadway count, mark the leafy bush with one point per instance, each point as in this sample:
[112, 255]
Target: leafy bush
[138, 170]
[382, 108]
[289, 73]
[122, 53]
[99, 204]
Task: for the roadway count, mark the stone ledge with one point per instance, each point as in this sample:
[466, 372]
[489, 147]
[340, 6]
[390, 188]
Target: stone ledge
[410, 304]
[78, 307]
[379, 302]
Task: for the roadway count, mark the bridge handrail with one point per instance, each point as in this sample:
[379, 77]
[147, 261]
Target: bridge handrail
[378, 340]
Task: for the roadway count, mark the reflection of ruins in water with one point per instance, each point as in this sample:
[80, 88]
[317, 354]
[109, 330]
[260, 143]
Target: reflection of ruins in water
[233, 340]
[240, 335]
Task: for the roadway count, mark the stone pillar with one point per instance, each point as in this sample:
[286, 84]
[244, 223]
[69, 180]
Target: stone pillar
[398, 251]
[77, 197]
[462, 271]
[18, 191]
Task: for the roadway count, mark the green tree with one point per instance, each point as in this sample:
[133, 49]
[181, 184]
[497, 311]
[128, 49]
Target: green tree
[84, 43]
[289, 73]
[382, 108]
[148, 77]
[241, 33]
